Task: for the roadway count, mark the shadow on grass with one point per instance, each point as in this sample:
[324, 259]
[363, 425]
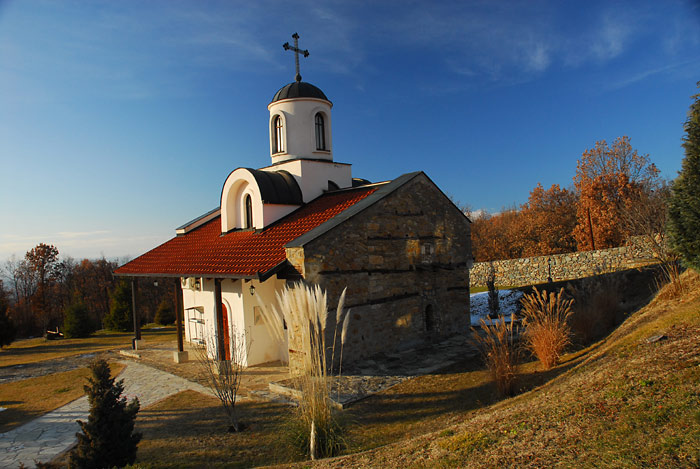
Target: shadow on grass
[429, 403]
[189, 430]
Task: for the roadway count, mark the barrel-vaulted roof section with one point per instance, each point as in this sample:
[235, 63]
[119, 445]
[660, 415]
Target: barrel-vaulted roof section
[204, 251]
[277, 187]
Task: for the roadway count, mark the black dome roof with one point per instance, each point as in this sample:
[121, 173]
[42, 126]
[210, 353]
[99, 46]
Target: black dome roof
[299, 89]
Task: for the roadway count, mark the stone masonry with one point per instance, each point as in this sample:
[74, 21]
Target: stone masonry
[404, 261]
[534, 270]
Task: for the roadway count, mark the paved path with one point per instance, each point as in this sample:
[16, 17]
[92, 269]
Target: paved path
[46, 437]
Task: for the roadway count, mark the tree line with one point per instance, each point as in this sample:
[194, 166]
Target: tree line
[43, 291]
[616, 194]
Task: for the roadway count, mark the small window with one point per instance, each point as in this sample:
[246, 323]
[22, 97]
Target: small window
[278, 127]
[248, 212]
[320, 132]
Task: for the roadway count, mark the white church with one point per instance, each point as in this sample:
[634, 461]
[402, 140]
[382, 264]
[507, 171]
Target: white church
[400, 247]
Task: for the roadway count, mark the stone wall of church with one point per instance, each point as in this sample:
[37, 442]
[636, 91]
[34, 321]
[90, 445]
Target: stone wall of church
[404, 262]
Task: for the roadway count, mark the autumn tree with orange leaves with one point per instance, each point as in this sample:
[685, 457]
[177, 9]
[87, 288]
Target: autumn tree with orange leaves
[607, 179]
[547, 221]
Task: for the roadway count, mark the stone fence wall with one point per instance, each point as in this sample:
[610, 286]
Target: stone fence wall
[534, 270]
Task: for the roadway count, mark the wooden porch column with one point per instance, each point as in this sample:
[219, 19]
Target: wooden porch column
[218, 313]
[179, 314]
[134, 294]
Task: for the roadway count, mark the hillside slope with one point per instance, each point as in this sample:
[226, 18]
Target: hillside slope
[633, 402]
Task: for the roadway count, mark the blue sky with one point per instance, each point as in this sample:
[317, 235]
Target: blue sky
[119, 121]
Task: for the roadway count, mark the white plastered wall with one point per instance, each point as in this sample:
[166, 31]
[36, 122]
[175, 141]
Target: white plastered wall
[235, 294]
[298, 118]
[313, 176]
[240, 183]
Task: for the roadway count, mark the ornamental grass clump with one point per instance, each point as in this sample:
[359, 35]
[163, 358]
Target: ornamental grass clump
[316, 429]
[547, 332]
[498, 343]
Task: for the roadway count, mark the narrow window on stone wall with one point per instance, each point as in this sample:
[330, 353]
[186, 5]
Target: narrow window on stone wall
[248, 212]
[429, 318]
[320, 132]
[427, 249]
[277, 125]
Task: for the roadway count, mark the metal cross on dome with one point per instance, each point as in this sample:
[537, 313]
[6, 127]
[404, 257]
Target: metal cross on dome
[297, 51]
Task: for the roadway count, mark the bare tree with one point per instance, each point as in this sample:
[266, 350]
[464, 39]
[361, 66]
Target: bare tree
[224, 377]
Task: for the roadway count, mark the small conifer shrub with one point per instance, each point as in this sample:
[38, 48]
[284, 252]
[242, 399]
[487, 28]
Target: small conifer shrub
[76, 320]
[165, 314]
[119, 317]
[107, 438]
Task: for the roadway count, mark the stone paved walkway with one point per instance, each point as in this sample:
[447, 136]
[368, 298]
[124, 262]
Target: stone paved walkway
[385, 370]
[46, 437]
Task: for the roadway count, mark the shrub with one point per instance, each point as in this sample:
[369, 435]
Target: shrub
[670, 277]
[498, 345]
[494, 304]
[547, 333]
[76, 320]
[7, 328]
[304, 309]
[165, 314]
[224, 376]
[120, 317]
[107, 438]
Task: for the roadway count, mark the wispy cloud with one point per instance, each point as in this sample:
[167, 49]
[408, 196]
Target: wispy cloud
[643, 75]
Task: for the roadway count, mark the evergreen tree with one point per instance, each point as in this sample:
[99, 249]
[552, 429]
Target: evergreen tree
[165, 314]
[76, 319]
[120, 317]
[7, 328]
[107, 438]
[684, 206]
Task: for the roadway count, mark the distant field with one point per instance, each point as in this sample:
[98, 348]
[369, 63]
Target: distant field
[39, 349]
[31, 398]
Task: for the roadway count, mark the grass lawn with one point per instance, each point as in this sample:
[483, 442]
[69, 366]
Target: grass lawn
[627, 402]
[189, 430]
[30, 398]
[39, 349]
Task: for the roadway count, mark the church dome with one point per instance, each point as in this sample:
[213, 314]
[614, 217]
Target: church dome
[299, 89]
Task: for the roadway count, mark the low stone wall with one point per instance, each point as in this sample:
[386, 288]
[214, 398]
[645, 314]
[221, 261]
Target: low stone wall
[534, 270]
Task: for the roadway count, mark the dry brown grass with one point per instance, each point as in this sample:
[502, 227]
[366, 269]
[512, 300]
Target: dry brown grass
[187, 430]
[497, 343]
[670, 282]
[40, 349]
[630, 403]
[547, 333]
[31, 398]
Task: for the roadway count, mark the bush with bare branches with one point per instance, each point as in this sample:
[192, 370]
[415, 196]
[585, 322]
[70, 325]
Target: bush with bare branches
[547, 332]
[498, 344]
[224, 376]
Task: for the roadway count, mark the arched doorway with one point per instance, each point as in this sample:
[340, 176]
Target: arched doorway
[227, 333]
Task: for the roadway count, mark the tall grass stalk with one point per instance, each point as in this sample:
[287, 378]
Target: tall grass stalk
[304, 308]
[547, 332]
[497, 342]
[670, 277]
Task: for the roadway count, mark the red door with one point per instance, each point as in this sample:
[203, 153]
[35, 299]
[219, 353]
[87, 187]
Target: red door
[227, 334]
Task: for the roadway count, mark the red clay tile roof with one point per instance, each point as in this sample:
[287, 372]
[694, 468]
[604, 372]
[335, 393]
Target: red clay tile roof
[203, 251]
